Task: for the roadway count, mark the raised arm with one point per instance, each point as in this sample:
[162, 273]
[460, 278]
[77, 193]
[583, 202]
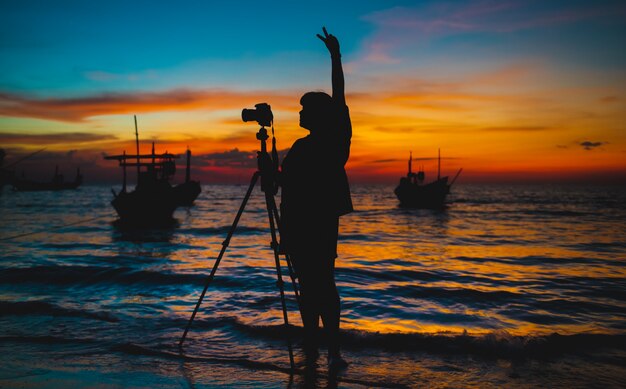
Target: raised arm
[337, 71]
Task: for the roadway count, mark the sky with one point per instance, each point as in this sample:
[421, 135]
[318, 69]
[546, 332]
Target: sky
[510, 91]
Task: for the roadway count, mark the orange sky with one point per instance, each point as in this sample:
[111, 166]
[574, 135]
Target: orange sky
[509, 93]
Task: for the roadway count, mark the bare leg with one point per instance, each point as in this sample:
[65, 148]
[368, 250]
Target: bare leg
[309, 303]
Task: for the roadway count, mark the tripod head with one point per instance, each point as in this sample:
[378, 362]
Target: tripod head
[266, 164]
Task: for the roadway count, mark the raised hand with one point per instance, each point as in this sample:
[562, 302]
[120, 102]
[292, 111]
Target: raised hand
[331, 43]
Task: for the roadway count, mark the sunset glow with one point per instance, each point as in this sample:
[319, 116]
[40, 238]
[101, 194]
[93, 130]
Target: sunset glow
[510, 91]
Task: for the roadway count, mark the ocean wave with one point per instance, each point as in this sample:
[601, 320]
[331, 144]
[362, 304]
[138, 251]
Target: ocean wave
[46, 308]
[72, 246]
[536, 260]
[85, 229]
[357, 237]
[603, 247]
[457, 294]
[367, 275]
[551, 305]
[497, 343]
[87, 275]
[494, 344]
[223, 230]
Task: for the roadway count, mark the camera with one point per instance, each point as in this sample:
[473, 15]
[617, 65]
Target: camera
[261, 114]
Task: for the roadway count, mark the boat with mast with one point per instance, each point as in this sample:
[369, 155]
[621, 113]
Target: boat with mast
[6, 176]
[154, 199]
[56, 183]
[413, 193]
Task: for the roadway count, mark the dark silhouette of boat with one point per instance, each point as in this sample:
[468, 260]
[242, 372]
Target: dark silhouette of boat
[154, 199]
[413, 193]
[187, 192]
[57, 183]
[7, 172]
[6, 176]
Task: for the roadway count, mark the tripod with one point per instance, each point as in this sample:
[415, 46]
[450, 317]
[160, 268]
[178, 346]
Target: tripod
[267, 168]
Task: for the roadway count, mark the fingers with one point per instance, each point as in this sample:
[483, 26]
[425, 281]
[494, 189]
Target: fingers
[325, 37]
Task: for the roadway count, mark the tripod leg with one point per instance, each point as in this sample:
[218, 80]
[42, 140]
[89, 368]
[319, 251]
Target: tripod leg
[269, 200]
[225, 244]
[287, 258]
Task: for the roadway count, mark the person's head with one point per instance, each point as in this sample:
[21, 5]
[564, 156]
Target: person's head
[317, 109]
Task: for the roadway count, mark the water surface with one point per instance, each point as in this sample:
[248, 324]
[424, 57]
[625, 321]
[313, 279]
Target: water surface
[505, 273]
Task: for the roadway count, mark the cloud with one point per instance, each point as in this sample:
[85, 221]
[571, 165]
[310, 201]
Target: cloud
[400, 27]
[24, 160]
[234, 158]
[230, 158]
[609, 99]
[515, 129]
[80, 108]
[47, 139]
[587, 145]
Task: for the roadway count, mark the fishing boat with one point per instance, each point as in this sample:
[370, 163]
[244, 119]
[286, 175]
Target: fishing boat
[414, 193]
[154, 199]
[6, 176]
[57, 183]
[187, 192]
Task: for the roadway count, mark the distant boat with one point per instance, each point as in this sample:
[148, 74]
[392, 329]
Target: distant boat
[154, 199]
[413, 193]
[6, 176]
[187, 192]
[57, 183]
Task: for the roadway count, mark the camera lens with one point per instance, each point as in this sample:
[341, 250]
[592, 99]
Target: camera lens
[248, 115]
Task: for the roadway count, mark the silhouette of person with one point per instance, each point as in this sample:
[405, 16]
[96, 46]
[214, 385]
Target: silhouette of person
[315, 193]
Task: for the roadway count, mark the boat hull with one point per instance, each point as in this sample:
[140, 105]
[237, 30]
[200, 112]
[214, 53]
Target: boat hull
[187, 193]
[146, 208]
[429, 196]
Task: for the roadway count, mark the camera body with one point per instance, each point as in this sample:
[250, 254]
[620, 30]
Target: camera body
[261, 114]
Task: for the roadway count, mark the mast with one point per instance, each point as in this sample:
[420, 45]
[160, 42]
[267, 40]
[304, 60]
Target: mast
[23, 158]
[410, 161]
[439, 164]
[137, 142]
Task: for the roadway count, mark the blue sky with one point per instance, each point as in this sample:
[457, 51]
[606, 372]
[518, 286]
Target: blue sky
[78, 46]
[510, 78]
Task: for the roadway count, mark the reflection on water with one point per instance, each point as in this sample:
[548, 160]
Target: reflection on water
[519, 262]
[126, 233]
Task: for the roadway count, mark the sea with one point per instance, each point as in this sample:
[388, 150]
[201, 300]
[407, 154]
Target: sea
[508, 286]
